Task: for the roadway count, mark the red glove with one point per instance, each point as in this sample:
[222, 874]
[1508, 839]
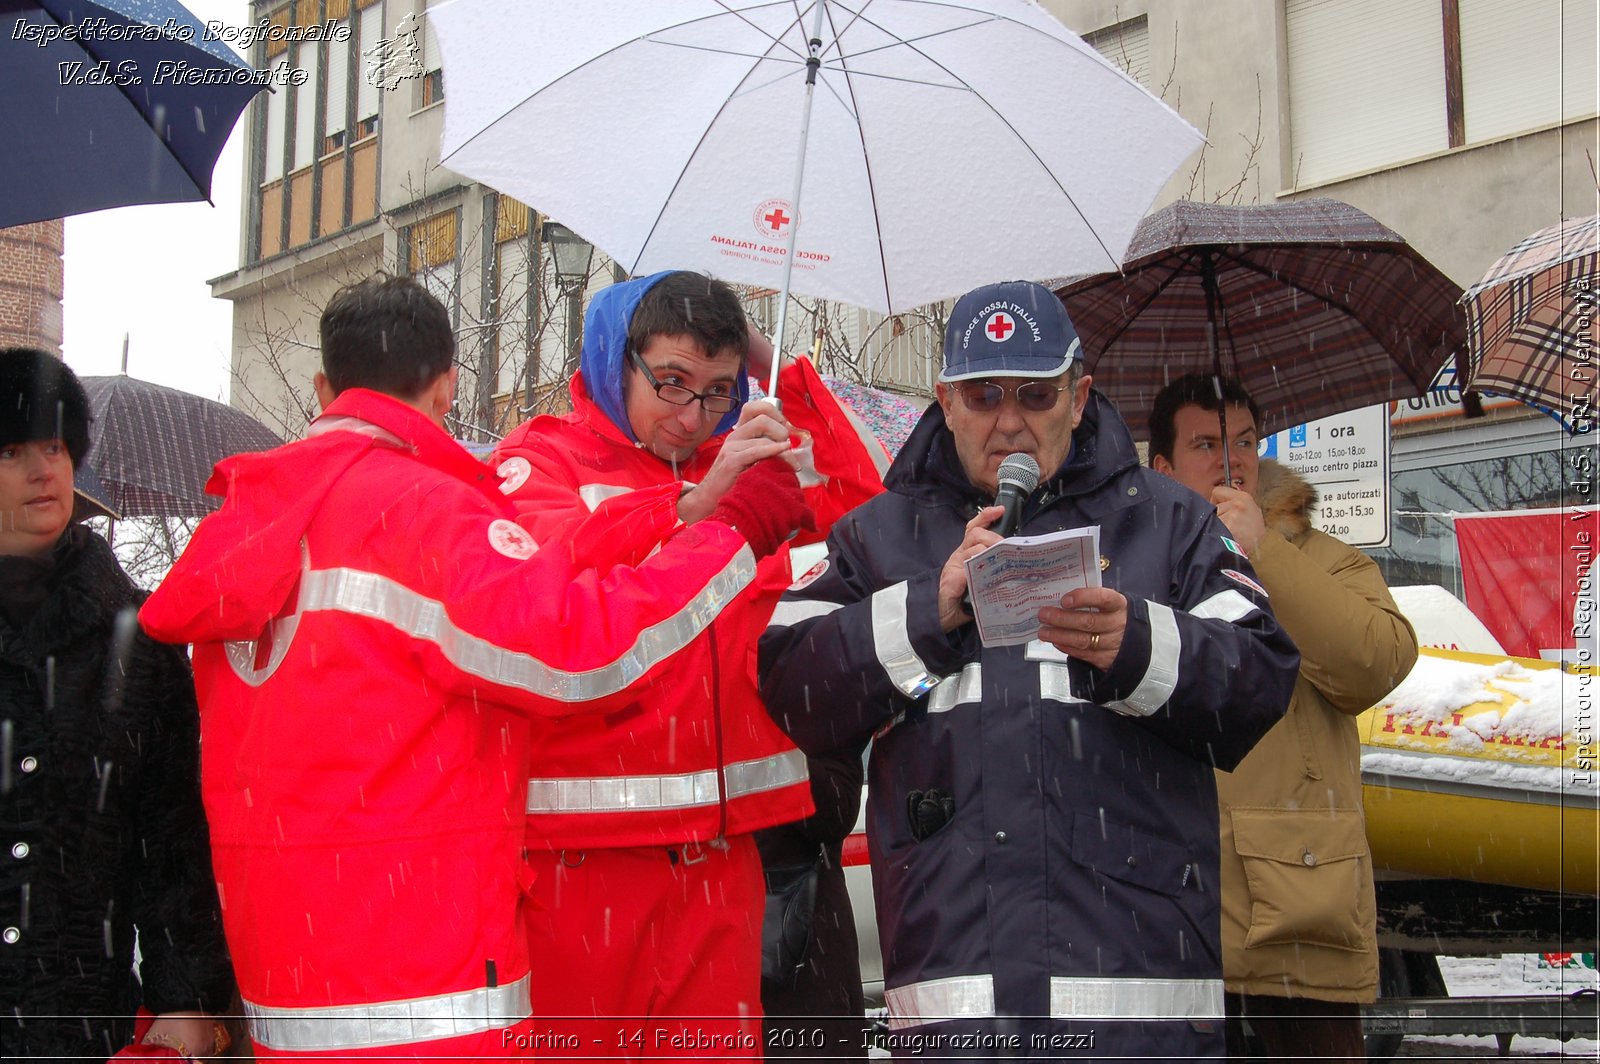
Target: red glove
[765, 506]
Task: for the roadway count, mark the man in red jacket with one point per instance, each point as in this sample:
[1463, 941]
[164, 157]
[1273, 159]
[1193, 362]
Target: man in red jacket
[373, 631]
[641, 822]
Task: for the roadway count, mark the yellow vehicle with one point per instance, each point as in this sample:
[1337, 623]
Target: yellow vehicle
[1481, 767]
[1483, 814]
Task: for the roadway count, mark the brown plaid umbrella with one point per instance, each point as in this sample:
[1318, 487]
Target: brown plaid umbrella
[1531, 322]
[154, 446]
[1312, 305]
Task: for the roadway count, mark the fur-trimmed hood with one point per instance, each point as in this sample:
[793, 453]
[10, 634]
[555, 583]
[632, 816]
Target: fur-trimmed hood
[1286, 499]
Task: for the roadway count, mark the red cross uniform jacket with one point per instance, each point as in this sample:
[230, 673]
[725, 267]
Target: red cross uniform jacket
[649, 774]
[372, 634]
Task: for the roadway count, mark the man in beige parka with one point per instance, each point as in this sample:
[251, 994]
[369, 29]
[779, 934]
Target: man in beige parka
[1299, 931]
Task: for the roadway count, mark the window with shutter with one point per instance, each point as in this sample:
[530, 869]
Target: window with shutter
[335, 119]
[432, 62]
[307, 58]
[432, 256]
[1377, 83]
[1127, 45]
[1525, 66]
[1366, 85]
[369, 38]
[277, 103]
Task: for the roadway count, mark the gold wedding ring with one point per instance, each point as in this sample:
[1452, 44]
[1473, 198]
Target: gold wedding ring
[1094, 640]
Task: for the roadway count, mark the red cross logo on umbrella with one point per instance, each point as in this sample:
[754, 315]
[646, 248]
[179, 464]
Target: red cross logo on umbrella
[999, 326]
[773, 218]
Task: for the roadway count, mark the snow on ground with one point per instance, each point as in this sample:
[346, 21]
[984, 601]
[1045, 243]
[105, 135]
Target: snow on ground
[1505, 975]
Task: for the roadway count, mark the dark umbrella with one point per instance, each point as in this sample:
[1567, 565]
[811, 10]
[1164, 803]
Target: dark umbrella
[89, 495]
[1312, 305]
[154, 446]
[109, 103]
[1531, 322]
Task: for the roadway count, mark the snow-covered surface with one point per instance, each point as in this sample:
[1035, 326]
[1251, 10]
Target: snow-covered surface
[1529, 727]
[1510, 974]
[1525, 712]
[1542, 779]
[1438, 687]
[1444, 621]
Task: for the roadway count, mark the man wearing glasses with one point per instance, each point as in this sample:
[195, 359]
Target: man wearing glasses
[648, 892]
[1040, 816]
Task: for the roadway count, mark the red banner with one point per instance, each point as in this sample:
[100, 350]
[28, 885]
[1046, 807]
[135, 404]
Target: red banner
[1527, 575]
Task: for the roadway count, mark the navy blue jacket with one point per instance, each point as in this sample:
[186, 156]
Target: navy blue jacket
[1073, 889]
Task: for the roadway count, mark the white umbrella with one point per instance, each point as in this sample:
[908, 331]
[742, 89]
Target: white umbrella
[949, 145]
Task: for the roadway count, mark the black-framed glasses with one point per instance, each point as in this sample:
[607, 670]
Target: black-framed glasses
[1036, 397]
[678, 395]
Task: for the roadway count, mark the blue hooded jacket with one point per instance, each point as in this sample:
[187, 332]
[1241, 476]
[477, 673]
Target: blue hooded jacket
[604, 358]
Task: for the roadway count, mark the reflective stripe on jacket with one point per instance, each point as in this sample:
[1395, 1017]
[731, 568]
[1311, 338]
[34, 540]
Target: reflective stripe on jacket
[372, 632]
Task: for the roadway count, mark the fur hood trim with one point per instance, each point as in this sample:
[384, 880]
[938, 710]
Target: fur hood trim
[1285, 498]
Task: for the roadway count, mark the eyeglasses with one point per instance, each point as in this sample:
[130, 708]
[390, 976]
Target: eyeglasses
[678, 395]
[1033, 396]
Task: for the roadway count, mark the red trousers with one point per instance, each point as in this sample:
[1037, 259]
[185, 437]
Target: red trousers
[648, 953]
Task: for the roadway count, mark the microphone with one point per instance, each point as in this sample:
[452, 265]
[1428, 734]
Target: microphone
[1018, 476]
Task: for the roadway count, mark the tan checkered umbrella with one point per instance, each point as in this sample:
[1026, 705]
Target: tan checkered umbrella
[1532, 327]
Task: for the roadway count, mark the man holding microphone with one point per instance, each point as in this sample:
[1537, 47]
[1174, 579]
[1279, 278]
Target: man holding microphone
[1041, 817]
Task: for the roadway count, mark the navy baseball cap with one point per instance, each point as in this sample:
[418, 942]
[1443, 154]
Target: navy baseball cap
[1010, 329]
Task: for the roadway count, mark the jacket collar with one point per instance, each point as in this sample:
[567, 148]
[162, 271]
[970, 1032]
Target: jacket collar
[590, 413]
[1286, 499]
[928, 468]
[399, 425]
[83, 588]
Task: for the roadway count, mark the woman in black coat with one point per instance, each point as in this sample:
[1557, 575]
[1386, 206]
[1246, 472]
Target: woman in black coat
[102, 833]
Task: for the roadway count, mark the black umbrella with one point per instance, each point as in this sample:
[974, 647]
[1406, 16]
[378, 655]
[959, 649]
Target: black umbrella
[154, 446]
[89, 495]
[111, 102]
[1312, 305]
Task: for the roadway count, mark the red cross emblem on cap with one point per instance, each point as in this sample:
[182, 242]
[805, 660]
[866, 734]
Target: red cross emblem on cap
[999, 326]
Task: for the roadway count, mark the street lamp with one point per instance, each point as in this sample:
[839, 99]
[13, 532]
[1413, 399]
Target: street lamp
[572, 256]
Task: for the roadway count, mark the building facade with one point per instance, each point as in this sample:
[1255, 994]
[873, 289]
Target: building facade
[32, 277]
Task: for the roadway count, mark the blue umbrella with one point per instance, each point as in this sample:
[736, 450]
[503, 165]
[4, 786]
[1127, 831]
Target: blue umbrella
[111, 103]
